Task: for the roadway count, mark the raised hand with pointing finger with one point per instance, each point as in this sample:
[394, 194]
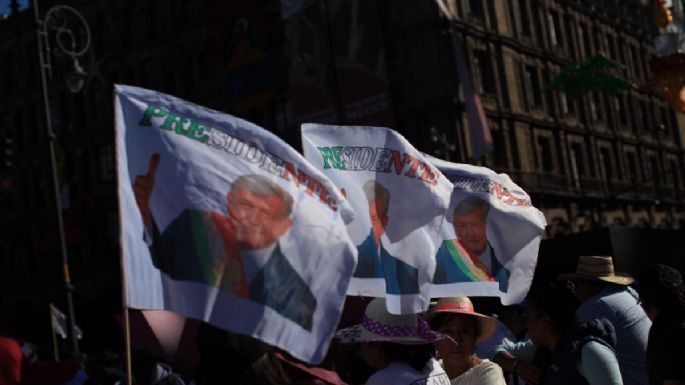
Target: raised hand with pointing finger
[142, 188]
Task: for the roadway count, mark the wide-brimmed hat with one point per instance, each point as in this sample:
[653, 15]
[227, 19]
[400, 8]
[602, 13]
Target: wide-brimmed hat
[487, 326]
[598, 268]
[379, 325]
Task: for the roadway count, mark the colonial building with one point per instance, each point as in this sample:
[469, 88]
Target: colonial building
[598, 160]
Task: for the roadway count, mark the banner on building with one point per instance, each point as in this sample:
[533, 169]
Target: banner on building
[491, 236]
[399, 201]
[223, 222]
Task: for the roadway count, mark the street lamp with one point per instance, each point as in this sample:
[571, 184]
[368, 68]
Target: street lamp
[63, 21]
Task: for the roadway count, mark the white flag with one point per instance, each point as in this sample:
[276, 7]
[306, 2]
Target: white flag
[59, 323]
[223, 222]
[399, 202]
[491, 236]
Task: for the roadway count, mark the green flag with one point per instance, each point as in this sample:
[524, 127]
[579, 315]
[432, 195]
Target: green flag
[598, 73]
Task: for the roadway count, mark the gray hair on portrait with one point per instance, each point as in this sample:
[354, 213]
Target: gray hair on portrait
[263, 186]
[470, 204]
[375, 191]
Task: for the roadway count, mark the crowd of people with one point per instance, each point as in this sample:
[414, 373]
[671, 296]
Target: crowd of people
[593, 326]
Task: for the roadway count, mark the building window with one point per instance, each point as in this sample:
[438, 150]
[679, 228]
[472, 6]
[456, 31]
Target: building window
[555, 34]
[545, 154]
[475, 8]
[674, 174]
[106, 162]
[482, 72]
[577, 159]
[597, 34]
[584, 40]
[532, 81]
[596, 106]
[620, 110]
[635, 56]
[644, 111]
[611, 41]
[606, 165]
[563, 102]
[654, 166]
[633, 170]
[522, 17]
[500, 150]
[570, 38]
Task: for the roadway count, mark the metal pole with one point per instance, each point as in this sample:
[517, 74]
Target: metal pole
[40, 34]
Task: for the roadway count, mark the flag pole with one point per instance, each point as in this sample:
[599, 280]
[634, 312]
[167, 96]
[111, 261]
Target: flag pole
[127, 332]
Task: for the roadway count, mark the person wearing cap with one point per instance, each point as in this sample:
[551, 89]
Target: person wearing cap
[605, 293]
[561, 350]
[662, 293]
[399, 347]
[456, 318]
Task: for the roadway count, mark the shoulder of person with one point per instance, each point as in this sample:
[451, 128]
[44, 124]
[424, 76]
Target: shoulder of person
[491, 371]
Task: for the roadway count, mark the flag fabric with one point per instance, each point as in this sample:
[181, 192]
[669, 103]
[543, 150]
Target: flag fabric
[491, 236]
[59, 323]
[399, 201]
[222, 221]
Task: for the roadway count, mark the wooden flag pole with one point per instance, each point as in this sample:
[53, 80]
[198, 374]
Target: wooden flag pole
[127, 332]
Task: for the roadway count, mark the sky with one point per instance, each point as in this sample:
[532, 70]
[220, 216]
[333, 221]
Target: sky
[5, 6]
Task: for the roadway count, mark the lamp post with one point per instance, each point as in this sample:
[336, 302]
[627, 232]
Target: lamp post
[63, 20]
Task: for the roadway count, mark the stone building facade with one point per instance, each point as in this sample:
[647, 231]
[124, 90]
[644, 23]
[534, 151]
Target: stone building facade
[599, 160]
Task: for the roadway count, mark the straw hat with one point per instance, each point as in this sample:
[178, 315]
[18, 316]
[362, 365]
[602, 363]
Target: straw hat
[598, 268]
[380, 326]
[463, 305]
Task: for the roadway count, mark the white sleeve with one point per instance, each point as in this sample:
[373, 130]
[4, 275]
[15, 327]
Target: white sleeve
[598, 365]
[522, 350]
[491, 374]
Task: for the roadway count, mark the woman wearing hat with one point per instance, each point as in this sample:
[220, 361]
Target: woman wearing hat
[399, 347]
[456, 318]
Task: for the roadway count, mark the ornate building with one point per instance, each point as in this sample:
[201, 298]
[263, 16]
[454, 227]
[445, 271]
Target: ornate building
[599, 160]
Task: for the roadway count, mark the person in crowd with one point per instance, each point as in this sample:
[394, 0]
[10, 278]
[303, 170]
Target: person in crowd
[456, 318]
[604, 293]
[24, 358]
[278, 367]
[662, 293]
[399, 347]
[148, 371]
[561, 350]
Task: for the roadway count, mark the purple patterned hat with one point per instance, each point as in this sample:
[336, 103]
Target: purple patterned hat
[379, 325]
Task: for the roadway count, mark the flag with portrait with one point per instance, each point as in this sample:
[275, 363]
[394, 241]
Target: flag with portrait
[491, 236]
[399, 201]
[223, 222]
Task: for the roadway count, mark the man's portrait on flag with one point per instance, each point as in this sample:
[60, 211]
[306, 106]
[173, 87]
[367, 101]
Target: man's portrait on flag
[470, 257]
[373, 260]
[239, 253]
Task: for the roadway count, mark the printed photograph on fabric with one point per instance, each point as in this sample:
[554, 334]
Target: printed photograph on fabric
[373, 260]
[470, 257]
[238, 253]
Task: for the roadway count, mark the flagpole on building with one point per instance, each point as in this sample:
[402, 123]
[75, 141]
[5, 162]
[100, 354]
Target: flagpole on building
[127, 335]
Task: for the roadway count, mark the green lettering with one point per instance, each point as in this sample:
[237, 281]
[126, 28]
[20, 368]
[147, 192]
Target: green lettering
[198, 132]
[331, 155]
[150, 112]
[174, 122]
